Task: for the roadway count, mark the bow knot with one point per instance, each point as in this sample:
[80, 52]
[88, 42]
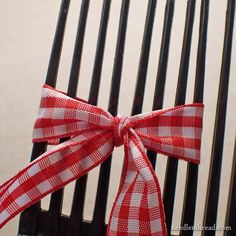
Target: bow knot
[119, 129]
[138, 208]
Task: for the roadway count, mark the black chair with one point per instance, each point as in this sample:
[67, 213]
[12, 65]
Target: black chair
[35, 221]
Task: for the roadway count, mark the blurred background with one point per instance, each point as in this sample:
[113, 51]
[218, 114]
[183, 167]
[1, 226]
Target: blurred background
[26, 34]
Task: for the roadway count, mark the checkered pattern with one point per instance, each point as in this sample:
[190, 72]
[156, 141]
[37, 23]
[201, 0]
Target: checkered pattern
[93, 133]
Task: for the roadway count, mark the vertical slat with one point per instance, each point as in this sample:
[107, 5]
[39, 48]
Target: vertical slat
[231, 207]
[172, 163]
[55, 206]
[144, 58]
[189, 204]
[210, 214]
[98, 221]
[80, 186]
[162, 66]
[57, 44]
[77, 55]
[29, 218]
[97, 69]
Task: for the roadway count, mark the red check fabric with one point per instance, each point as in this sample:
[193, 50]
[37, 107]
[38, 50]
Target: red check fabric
[93, 132]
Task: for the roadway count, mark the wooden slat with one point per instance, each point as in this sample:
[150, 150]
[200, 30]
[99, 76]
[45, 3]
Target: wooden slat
[172, 163]
[162, 66]
[189, 204]
[78, 49]
[98, 63]
[57, 44]
[231, 206]
[98, 221]
[144, 58]
[29, 218]
[210, 214]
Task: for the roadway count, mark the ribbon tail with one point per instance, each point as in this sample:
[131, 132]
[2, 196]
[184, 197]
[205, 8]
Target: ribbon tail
[138, 208]
[53, 170]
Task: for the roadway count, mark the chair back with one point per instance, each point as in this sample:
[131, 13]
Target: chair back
[191, 194]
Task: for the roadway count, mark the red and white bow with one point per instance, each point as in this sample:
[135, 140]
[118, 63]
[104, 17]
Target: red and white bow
[138, 208]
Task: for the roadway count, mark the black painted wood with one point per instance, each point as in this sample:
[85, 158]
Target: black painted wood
[211, 206]
[144, 58]
[231, 207]
[190, 196]
[57, 44]
[64, 224]
[162, 66]
[78, 49]
[172, 163]
[29, 218]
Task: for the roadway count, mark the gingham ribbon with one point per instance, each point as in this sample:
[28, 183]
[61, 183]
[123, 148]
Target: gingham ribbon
[138, 208]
